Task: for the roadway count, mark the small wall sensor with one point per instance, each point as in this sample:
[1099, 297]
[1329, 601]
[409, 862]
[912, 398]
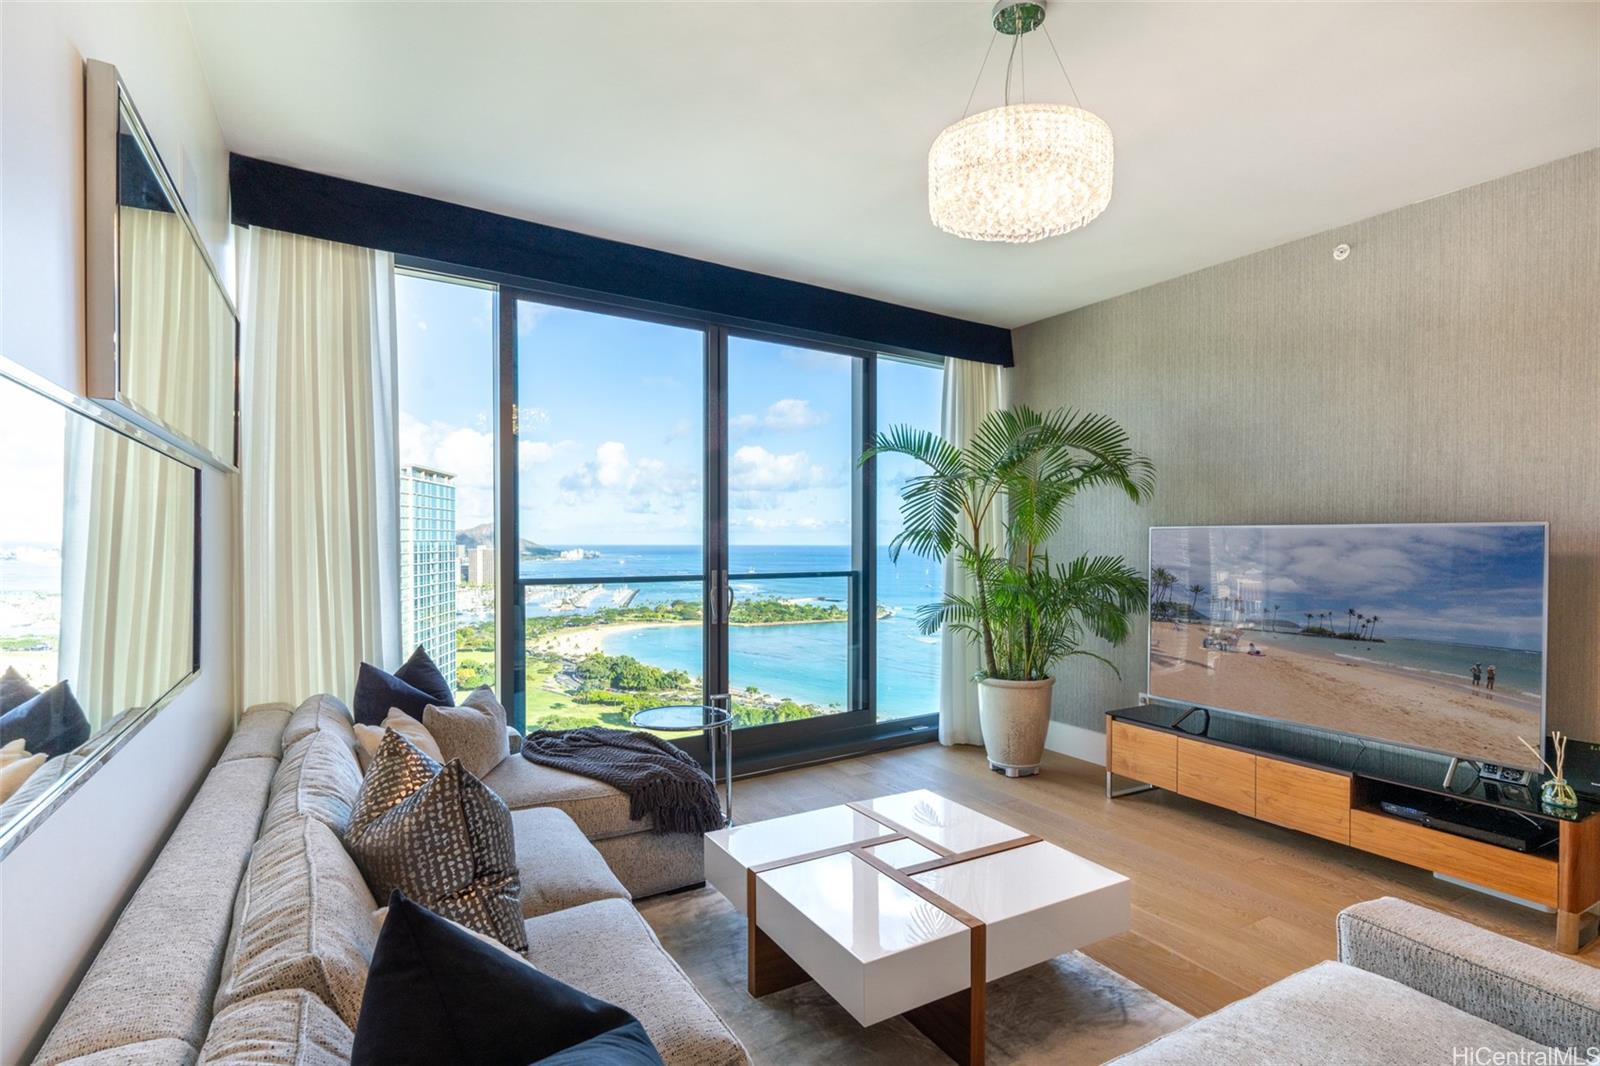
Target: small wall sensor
[1341, 252]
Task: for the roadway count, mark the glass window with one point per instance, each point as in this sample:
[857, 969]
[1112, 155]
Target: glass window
[909, 393]
[611, 449]
[446, 360]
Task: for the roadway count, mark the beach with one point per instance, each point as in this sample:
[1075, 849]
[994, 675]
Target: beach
[588, 640]
[1323, 683]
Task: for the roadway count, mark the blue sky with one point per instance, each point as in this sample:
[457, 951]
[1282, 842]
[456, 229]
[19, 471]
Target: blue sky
[1472, 584]
[612, 411]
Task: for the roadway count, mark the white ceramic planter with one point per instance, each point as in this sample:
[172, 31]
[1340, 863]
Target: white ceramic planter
[1014, 716]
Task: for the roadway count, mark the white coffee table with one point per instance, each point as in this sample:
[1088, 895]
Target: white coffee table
[908, 904]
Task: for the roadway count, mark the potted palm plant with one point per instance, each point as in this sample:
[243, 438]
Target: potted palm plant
[1022, 611]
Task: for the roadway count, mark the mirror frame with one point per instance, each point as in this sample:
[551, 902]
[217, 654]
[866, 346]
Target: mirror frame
[105, 101]
[112, 739]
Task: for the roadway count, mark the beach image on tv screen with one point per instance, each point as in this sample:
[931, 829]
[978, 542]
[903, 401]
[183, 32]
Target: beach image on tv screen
[1431, 636]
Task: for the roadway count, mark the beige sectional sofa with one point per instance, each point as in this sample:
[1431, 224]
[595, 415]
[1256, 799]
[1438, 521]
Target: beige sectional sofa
[249, 939]
[1411, 985]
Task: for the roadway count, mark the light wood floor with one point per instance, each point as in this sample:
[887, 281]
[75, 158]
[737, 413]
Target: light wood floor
[1223, 905]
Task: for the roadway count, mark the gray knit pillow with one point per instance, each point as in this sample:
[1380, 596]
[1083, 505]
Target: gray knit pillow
[440, 836]
[474, 732]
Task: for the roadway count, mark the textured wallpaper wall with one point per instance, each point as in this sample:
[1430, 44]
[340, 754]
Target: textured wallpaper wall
[1448, 370]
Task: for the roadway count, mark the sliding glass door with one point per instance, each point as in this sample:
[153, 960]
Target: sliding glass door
[799, 592]
[609, 428]
[682, 518]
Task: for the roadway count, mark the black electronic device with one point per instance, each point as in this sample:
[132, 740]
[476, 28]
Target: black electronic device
[1501, 828]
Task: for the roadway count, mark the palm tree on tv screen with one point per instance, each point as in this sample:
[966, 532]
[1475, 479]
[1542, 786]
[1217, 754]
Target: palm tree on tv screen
[1195, 592]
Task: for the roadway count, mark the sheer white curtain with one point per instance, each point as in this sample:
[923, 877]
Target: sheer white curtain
[127, 572]
[971, 392]
[320, 511]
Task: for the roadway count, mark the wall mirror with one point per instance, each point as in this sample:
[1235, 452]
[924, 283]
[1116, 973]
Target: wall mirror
[163, 336]
[99, 590]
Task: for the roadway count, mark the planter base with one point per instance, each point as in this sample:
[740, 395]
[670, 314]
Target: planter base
[1014, 771]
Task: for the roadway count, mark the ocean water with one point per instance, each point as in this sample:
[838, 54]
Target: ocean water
[809, 662]
[1515, 670]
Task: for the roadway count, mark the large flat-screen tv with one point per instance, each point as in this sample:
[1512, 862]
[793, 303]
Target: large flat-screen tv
[1430, 636]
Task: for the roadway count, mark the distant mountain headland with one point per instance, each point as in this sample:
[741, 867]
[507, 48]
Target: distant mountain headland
[482, 536]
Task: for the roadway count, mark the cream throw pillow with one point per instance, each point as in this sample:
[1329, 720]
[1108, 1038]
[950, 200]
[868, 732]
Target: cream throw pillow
[474, 732]
[370, 736]
[15, 773]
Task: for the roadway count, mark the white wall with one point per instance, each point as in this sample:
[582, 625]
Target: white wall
[62, 887]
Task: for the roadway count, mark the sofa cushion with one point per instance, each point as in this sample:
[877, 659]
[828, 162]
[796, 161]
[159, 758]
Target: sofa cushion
[286, 1028]
[1548, 998]
[14, 773]
[161, 1052]
[581, 946]
[558, 867]
[155, 977]
[318, 778]
[259, 734]
[1330, 1013]
[320, 713]
[438, 993]
[303, 919]
[600, 810]
[474, 732]
[368, 737]
[448, 844]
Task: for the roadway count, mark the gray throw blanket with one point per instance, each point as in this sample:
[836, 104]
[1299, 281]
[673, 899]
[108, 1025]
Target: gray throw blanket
[661, 781]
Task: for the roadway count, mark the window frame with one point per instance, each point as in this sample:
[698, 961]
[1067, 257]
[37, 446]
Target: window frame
[756, 749]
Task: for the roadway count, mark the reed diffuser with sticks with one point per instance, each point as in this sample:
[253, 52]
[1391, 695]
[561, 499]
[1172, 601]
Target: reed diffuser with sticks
[1555, 792]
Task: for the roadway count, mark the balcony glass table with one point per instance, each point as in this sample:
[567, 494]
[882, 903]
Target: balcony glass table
[717, 725]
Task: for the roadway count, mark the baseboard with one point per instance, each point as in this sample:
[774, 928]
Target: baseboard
[1076, 741]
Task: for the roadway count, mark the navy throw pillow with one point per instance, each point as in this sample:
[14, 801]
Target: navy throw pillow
[624, 1046]
[51, 722]
[419, 672]
[436, 993]
[14, 689]
[411, 688]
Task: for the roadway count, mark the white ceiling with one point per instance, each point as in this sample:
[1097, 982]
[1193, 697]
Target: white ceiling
[792, 138]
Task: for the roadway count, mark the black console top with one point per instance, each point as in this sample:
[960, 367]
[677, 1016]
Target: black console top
[1369, 759]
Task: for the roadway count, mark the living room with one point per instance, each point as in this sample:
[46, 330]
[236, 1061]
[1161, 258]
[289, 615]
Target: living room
[854, 532]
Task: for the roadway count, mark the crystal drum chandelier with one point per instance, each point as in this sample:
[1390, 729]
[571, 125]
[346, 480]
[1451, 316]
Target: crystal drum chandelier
[1021, 172]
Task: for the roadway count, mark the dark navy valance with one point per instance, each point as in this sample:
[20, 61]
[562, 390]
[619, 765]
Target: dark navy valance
[316, 205]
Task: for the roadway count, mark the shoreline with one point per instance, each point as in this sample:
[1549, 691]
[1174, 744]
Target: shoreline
[1351, 695]
[572, 645]
[578, 641]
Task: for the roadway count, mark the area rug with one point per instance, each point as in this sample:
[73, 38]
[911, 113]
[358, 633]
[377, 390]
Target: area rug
[1069, 1010]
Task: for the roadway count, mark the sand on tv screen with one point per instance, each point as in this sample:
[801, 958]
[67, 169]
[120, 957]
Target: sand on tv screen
[1430, 636]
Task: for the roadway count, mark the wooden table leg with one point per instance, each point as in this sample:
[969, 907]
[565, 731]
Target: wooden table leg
[957, 1024]
[770, 967]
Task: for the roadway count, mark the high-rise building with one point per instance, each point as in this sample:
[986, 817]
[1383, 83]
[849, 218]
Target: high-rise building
[480, 565]
[428, 572]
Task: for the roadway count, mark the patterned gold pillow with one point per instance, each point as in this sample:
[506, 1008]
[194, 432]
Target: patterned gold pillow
[440, 836]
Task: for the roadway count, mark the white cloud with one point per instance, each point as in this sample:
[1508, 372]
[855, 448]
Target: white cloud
[613, 469]
[468, 455]
[783, 416]
[754, 469]
[763, 524]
